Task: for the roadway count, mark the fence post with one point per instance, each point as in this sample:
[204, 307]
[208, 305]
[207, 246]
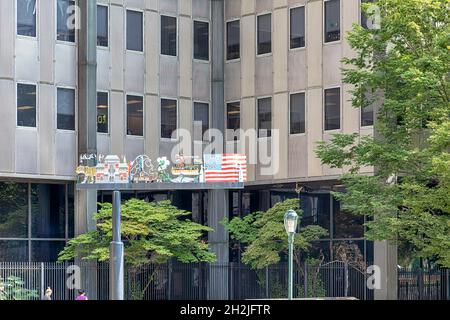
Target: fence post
[169, 274]
[420, 283]
[267, 282]
[306, 280]
[42, 281]
[345, 280]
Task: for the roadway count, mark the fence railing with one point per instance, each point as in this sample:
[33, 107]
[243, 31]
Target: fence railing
[233, 281]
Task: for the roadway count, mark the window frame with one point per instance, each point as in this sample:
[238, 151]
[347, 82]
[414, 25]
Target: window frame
[257, 116]
[177, 49]
[306, 113]
[193, 40]
[324, 108]
[134, 94]
[142, 12]
[165, 139]
[21, 36]
[109, 112]
[226, 119]
[271, 34]
[74, 107]
[17, 82]
[324, 23]
[226, 40]
[106, 5]
[208, 136]
[70, 43]
[289, 26]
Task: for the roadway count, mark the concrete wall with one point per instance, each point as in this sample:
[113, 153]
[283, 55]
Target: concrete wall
[311, 69]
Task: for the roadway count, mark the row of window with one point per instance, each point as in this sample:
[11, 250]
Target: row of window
[26, 26]
[27, 97]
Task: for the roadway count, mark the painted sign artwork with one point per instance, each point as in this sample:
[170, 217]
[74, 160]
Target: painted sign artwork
[213, 168]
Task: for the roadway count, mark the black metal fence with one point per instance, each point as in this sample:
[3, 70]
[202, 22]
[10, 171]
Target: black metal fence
[424, 284]
[176, 281]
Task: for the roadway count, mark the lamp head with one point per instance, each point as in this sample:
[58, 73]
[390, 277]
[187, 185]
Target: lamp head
[290, 221]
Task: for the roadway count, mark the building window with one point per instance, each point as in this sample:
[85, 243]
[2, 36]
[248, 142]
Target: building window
[26, 18]
[135, 116]
[135, 31]
[65, 20]
[102, 112]
[264, 117]
[367, 115]
[38, 217]
[66, 109]
[333, 109]
[102, 26]
[363, 15]
[297, 113]
[168, 118]
[265, 33]
[297, 27]
[233, 40]
[332, 20]
[168, 35]
[233, 120]
[26, 105]
[201, 40]
[201, 118]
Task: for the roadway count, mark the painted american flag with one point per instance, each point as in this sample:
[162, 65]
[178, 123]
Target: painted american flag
[225, 167]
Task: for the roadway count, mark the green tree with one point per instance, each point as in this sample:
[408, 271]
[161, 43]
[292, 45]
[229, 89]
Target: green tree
[402, 68]
[13, 289]
[264, 236]
[152, 233]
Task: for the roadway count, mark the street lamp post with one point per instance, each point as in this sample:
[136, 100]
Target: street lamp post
[290, 224]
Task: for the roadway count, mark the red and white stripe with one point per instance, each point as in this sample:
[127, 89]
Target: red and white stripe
[231, 164]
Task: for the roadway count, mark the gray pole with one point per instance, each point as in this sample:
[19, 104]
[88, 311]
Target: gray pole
[116, 264]
[290, 271]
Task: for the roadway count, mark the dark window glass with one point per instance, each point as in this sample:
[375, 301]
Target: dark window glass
[168, 35]
[26, 18]
[352, 251]
[48, 211]
[265, 33]
[233, 40]
[102, 112]
[316, 210]
[71, 212]
[13, 210]
[297, 113]
[201, 40]
[66, 109]
[168, 117]
[332, 20]
[135, 116]
[26, 105]
[46, 251]
[347, 225]
[265, 117]
[367, 111]
[363, 15]
[135, 31]
[201, 118]
[66, 20]
[102, 26]
[233, 120]
[13, 251]
[297, 27]
[332, 109]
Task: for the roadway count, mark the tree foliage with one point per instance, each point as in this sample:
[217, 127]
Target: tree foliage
[403, 69]
[151, 232]
[265, 238]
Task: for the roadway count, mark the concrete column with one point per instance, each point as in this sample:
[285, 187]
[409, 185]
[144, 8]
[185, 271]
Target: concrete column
[218, 199]
[385, 256]
[86, 201]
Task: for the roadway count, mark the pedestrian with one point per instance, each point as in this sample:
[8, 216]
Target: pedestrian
[81, 295]
[48, 294]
